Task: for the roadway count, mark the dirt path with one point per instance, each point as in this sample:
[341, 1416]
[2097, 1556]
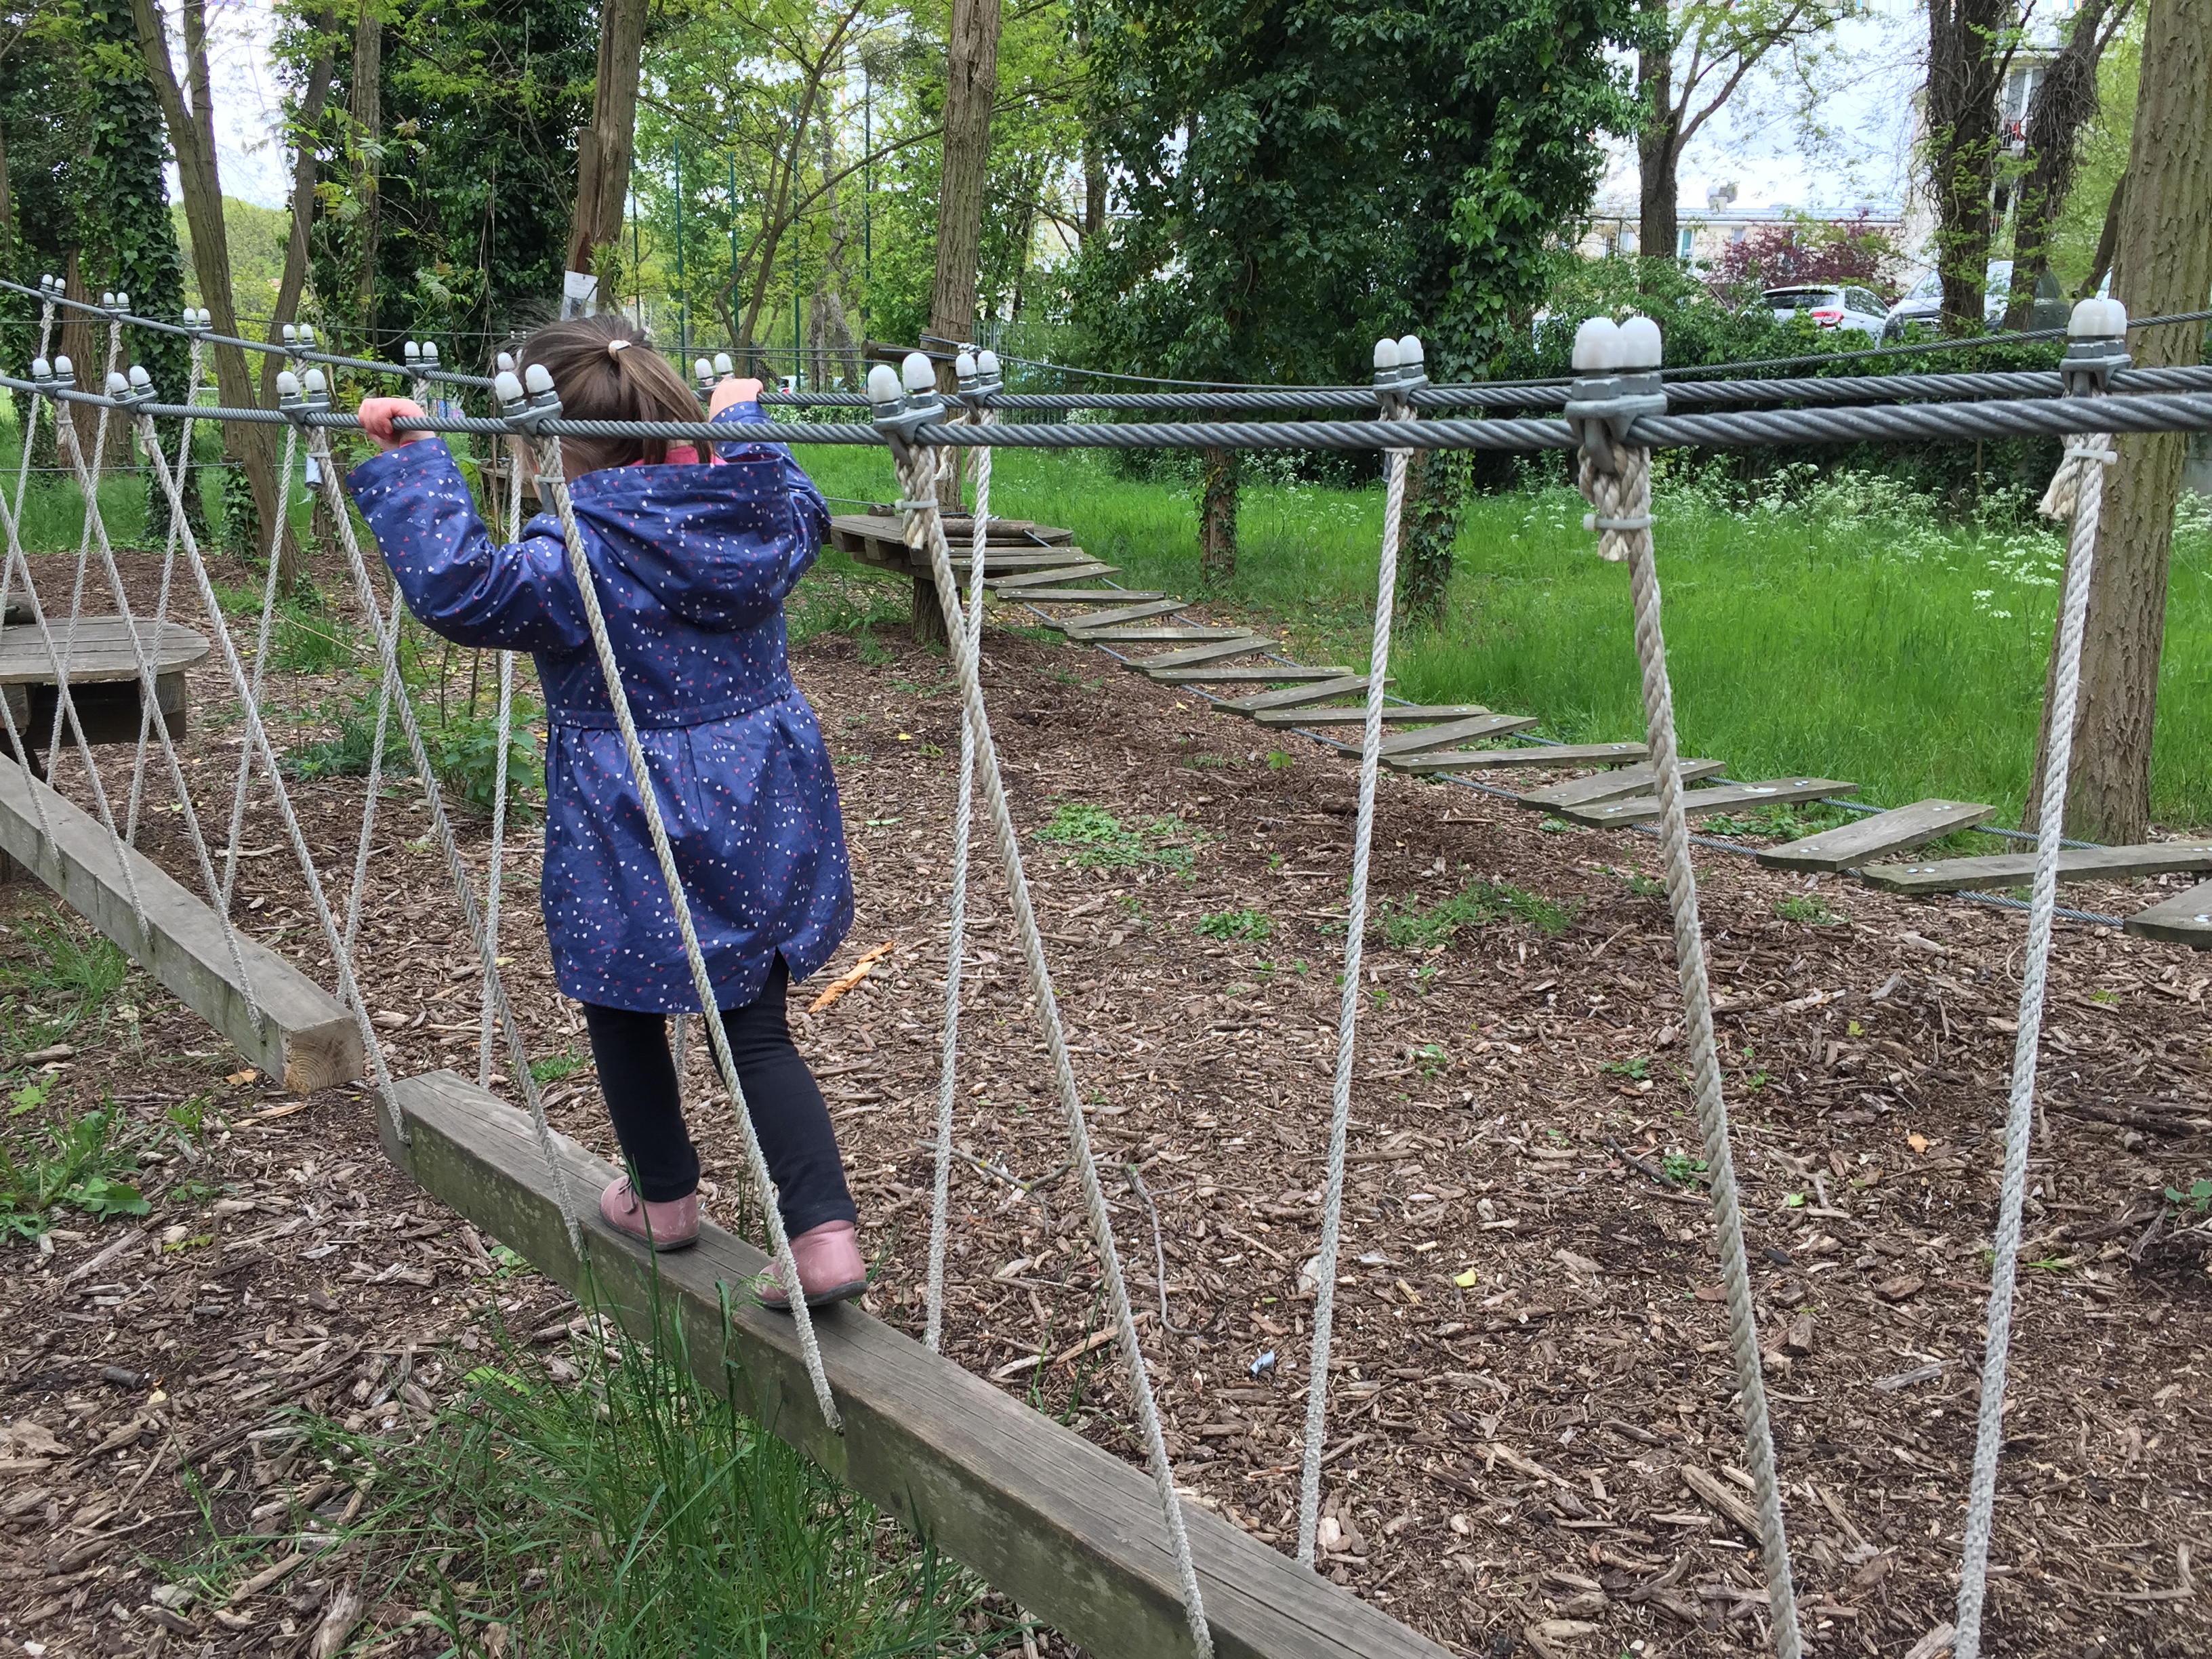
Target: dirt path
[1530, 1353]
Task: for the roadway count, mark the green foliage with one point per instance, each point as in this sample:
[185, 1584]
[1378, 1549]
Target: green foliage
[1410, 924]
[63, 977]
[1808, 907]
[465, 749]
[86, 1161]
[1245, 924]
[346, 754]
[304, 638]
[1681, 1168]
[1636, 1069]
[551, 1068]
[2197, 1198]
[1100, 841]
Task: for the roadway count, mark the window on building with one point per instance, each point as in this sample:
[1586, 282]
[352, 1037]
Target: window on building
[1685, 242]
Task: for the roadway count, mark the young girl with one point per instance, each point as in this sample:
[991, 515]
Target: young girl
[692, 563]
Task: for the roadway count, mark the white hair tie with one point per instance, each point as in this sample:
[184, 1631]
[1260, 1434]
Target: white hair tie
[613, 346]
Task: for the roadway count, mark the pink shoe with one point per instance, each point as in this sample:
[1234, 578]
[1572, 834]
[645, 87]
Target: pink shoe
[830, 1267]
[670, 1227]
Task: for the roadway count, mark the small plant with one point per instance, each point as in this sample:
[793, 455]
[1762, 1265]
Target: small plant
[2198, 1198]
[1552, 826]
[1246, 924]
[66, 978]
[1807, 908]
[1416, 926]
[1779, 821]
[1642, 886]
[1278, 761]
[1099, 841]
[1210, 763]
[86, 1162]
[873, 652]
[466, 751]
[1636, 1068]
[1432, 1058]
[347, 754]
[1681, 1168]
[304, 638]
[551, 1068]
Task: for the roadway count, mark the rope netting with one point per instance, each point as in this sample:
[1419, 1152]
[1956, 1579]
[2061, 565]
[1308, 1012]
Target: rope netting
[1612, 413]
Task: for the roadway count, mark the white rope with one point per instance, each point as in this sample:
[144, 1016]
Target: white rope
[1623, 493]
[492, 892]
[2080, 487]
[146, 716]
[356, 895]
[261, 639]
[925, 528]
[956, 947]
[1347, 1014]
[552, 481]
[387, 627]
[64, 417]
[17, 744]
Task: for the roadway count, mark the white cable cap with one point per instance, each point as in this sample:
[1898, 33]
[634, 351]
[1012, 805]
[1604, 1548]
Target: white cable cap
[538, 379]
[40, 368]
[963, 365]
[1640, 345]
[307, 334]
[429, 351]
[918, 372]
[2095, 318]
[122, 300]
[504, 385]
[1410, 354]
[411, 349]
[291, 334]
[288, 384]
[1597, 345]
[722, 363]
[117, 384]
[139, 376]
[884, 385]
[1386, 353]
[505, 364]
[702, 369]
[986, 362]
[63, 366]
[106, 296]
[316, 382]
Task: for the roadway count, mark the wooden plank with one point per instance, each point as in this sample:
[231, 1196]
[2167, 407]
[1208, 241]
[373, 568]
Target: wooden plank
[1560, 756]
[2185, 919]
[1868, 840]
[1398, 713]
[98, 648]
[1246, 674]
[1346, 685]
[308, 1038]
[958, 528]
[1454, 733]
[1068, 1531]
[1699, 802]
[1210, 652]
[2157, 858]
[1088, 570]
[1131, 613]
[1078, 595]
[1615, 786]
[1167, 634]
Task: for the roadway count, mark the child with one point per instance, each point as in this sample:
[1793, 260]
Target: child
[691, 564]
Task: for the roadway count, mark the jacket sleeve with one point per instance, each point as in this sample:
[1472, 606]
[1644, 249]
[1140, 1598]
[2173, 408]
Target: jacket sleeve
[463, 586]
[810, 513]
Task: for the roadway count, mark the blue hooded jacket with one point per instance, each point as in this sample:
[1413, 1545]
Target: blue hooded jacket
[691, 564]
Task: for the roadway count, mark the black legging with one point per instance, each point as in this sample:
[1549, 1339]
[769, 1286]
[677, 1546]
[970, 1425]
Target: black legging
[638, 1077]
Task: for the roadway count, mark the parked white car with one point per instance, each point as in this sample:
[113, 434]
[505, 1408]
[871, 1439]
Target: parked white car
[1828, 304]
[1923, 303]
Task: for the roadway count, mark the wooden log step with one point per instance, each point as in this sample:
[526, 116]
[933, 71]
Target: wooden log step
[1642, 809]
[1078, 595]
[1246, 675]
[1011, 585]
[1236, 645]
[2185, 919]
[1402, 714]
[1870, 839]
[1064, 1527]
[1141, 635]
[1126, 614]
[1560, 756]
[307, 1038]
[1617, 785]
[2157, 858]
[1344, 685]
[1451, 734]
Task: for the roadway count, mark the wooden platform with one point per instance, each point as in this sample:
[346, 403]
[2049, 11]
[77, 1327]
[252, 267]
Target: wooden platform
[1453, 732]
[2185, 919]
[1395, 714]
[103, 677]
[1238, 645]
[1114, 618]
[308, 1038]
[2157, 858]
[1700, 803]
[873, 538]
[1548, 757]
[1871, 839]
[1346, 685]
[1071, 1533]
[1618, 785]
[1247, 674]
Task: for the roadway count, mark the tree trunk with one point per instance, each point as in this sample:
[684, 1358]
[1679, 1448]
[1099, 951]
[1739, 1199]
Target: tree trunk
[2100, 264]
[1966, 69]
[603, 152]
[368, 168]
[312, 97]
[1657, 145]
[192, 139]
[2163, 264]
[7, 212]
[1217, 516]
[971, 81]
[1094, 190]
[2065, 103]
[1436, 497]
[829, 330]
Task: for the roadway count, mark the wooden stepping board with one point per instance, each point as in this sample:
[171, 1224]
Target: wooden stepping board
[307, 1038]
[1619, 785]
[1214, 651]
[1078, 595]
[2185, 919]
[1548, 757]
[1453, 732]
[1144, 634]
[1699, 802]
[1095, 621]
[1066, 1529]
[1015, 583]
[1868, 840]
[1246, 675]
[2157, 858]
[1403, 714]
[1344, 685]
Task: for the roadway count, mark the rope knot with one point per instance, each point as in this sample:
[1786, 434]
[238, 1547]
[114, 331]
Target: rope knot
[2087, 453]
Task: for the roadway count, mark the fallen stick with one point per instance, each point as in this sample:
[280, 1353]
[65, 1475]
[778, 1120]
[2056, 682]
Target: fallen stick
[859, 972]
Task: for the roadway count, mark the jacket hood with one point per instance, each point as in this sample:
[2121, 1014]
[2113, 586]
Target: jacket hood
[710, 542]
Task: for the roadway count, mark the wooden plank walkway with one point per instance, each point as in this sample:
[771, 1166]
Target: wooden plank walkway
[2157, 858]
[2185, 919]
[1093, 621]
[1548, 757]
[1454, 733]
[1070, 1531]
[1394, 713]
[1702, 802]
[1243, 674]
[1143, 633]
[1082, 595]
[1345, 684]
[1618, 785]
[1869, 840]
[308, 1038]
[1238, 645]
[1015, 583]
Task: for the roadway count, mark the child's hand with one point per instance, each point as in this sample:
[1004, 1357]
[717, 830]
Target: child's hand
[376, 415]
[731, 390]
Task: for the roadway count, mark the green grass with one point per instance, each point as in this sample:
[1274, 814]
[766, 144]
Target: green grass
[1099, 841]
[612, 1507]
[86, 1161]
[1414, 926]
[1837, 626]
[1245, 924]
[551, 1068]
[62, 976]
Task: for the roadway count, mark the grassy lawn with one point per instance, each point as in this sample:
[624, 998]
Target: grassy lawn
[1831, 626]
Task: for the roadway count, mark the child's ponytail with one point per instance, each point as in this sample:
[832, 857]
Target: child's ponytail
[606, 370]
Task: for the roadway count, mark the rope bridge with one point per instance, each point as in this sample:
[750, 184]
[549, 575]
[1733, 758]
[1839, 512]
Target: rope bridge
[1071, 1532]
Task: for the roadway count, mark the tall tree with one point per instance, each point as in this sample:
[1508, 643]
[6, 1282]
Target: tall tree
[2163, 264]
[2064, 104]
[192, 139]
[971, 81]
[306, 120]
[368, 147]
[1693, 57]
[603, 151]
[1970, 51]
